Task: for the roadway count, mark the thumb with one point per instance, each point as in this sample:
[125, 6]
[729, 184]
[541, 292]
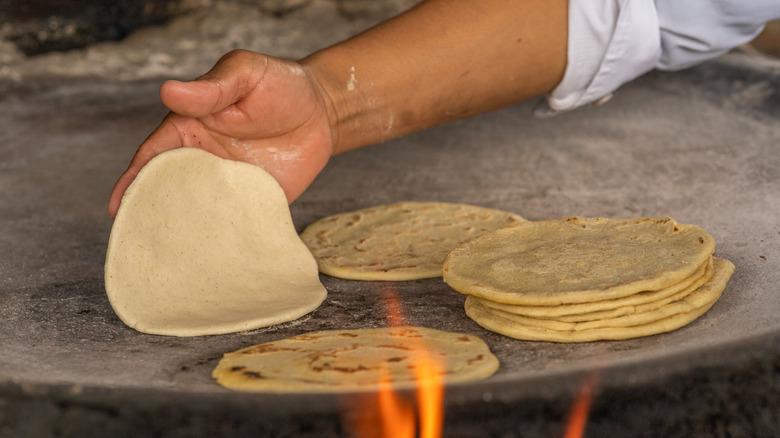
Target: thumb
[232, 78]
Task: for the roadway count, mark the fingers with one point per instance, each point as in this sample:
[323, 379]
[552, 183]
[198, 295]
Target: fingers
[164, 138]
[231, 79]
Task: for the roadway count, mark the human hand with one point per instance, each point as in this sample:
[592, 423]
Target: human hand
[249, 107]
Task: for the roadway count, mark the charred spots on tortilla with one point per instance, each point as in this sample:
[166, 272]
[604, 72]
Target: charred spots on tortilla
[351, 370]
[478, 358]
[395, 347]
[408, 333]
[254, 374]
[265, 349]
[339, 369]
[356, 219]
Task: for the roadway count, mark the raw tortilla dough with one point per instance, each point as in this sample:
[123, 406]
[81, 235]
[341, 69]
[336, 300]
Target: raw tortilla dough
[202, 245]
[665, 319]
[397, 242]
[354, 360]
[577, 260]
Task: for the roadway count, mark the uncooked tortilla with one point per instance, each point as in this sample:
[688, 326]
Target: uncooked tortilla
[577, 260]
[355, 360]
[398, 242]
[202, 246]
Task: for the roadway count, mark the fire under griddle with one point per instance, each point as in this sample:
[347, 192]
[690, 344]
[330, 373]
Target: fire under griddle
[702, 146]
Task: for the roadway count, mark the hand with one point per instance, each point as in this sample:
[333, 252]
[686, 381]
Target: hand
[249, 107]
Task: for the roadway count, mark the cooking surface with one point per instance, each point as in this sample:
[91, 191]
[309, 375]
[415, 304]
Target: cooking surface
[701, 146]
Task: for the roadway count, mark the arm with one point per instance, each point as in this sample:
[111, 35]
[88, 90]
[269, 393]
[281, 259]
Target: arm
[440, 61]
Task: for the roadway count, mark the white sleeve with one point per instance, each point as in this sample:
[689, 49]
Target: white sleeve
[612, 42]
[694, 31]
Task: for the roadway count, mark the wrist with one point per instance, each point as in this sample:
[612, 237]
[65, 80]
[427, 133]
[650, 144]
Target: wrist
[324, 94]
[357, 110]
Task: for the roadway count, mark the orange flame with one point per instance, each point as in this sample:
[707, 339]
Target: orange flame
[430, 398]
[395, 415]
[395, 314]
[578, 416]
[399, 417]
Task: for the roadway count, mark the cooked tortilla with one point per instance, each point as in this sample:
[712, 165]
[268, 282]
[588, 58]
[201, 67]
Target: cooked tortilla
[639, 302]
[355, 360]
[577, 260]
[664, 319]
[397, 242]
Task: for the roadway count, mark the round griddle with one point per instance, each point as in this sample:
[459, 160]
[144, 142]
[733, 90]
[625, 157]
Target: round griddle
[702, 146]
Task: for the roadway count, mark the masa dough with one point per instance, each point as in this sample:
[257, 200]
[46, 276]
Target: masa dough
[203, 245]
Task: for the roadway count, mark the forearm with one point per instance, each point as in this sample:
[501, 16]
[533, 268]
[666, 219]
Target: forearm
[441, 61]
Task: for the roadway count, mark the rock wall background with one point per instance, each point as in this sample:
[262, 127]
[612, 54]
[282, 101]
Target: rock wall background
[143, 39]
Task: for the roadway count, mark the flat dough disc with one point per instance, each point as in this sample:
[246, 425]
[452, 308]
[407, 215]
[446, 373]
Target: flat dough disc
[577, 260]
[665, 319]
[202, 245]
[354, 360]
[638, 302]
[397, 242]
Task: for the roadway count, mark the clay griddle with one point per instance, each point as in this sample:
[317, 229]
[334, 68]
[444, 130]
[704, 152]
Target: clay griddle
[699, 145]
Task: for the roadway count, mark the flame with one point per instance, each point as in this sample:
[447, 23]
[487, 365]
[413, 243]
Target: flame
[578, 416]
[395, 314]
[395, 415]
[398, 416]
[430, 397]
[402, 418]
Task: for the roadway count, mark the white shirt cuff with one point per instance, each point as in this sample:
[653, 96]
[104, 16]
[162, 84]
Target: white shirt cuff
[610, 42]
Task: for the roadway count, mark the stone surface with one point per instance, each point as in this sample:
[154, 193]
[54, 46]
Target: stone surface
[41, 26]
[699, 145]
[194, 35]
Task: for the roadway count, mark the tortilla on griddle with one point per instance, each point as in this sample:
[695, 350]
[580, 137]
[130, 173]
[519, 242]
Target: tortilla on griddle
[397, 242]
[665, 319]
[577, 260]
[203, 245]
[354, 360]
[627, 305]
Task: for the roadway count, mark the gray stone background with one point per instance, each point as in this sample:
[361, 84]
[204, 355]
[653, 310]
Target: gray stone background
[700, 145]
[142, 39]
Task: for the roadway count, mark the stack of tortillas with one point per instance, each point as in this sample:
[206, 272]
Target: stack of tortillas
[397, 242]
[588, 279]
